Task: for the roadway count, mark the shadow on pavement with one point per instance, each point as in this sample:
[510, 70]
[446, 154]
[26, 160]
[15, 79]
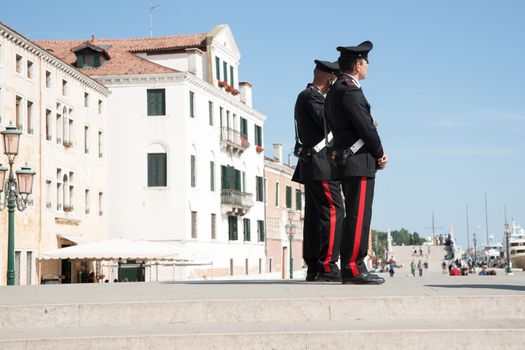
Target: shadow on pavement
[480, 286]
[245, 282]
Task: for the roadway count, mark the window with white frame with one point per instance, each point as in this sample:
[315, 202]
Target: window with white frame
[49, 183]
[18, 113]
[48, 125]
[86, 139]
[48, 79]
[100, 203]
[29, 116]
[100, 144]
[86, 99]
[30, 72]
[59, 189]
[64, 87]
[99, 106]
[86, 201]
[19, 64]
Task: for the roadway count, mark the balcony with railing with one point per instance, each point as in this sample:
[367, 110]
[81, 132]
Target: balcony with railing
[236, 202]
[234, 141]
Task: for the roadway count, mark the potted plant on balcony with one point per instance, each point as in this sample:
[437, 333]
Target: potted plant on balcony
[244, 141]
[228, 87]
[234, 91]
[68, 144]
[259, 149]
[221, 83]
[68, 208]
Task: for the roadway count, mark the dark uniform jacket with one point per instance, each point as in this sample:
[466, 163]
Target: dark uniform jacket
[348, 113]
[309, 115]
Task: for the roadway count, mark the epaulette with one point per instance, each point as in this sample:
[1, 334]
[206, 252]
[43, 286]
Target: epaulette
[348, 83]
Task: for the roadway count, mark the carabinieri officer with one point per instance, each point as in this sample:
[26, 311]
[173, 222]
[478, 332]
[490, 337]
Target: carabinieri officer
[358, 152]
[323, 217]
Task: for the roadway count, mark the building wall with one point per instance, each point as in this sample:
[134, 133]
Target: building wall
[38, 227]
[278, 216]
[164, 213]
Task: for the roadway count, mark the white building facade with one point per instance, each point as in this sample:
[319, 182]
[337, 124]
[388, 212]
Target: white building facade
[61, 113]
[184, 148]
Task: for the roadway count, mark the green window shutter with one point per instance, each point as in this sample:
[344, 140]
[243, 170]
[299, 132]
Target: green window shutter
[259, 188]
[156, 101]
[80, 61]
[298, 199]
[244, 127]
[191, 104]
[217, 68]
[246, 227]
[258, 135]
[260, 230]
[232, 228]
[193, 171]
[96, 60]
[210, 111]
[220, 116]
[243, 188]
[157, 169]
[277, 194]
[224, 177]
[225, 66]
[288, 197]
[237, 180]
[231, 75]
[212, 176]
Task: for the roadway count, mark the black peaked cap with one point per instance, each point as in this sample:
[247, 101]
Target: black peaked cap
[359, 51]
[325, 66]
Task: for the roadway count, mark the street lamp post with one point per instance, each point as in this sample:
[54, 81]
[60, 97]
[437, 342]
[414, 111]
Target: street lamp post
[474, 240]
[290, 231]
[16, 191]
[508, 268]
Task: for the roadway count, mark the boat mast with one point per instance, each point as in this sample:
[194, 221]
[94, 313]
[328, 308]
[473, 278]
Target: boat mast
[486, 218]
[468, 233]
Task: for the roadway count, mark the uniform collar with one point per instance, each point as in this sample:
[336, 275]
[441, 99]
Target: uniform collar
[356, 82]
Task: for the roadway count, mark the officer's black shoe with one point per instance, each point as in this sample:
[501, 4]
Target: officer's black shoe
[364, 278]
[311, 273]
[333, 276]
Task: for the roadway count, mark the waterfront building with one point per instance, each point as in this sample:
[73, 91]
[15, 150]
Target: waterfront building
[184, 147]
[61, 113]
[284, 206]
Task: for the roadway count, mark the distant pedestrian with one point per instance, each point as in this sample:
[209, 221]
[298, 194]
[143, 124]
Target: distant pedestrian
[444, 267]
[420, 268]
[391, 267]
[413, 268]
[420, 251]
[425, 266]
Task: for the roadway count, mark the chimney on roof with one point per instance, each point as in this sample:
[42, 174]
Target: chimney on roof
[195, 62]
[278, 152]
[92, 38]
[245, 88]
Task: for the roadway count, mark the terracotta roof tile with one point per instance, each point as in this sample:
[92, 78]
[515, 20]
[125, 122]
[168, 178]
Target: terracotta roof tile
[123, 52]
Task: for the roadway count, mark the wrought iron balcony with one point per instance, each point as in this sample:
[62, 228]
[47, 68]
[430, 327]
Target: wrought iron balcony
[237, 202]
[234, 140]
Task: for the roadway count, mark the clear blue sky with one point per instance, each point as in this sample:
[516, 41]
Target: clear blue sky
[446, 83]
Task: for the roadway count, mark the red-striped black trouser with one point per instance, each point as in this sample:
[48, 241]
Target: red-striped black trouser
[359, 194]
[323, 223]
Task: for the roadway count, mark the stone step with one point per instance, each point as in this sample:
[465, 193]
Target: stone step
[216, 311]
[425, 334]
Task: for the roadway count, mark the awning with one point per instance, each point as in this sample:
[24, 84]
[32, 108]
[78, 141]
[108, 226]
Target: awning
[114, 249]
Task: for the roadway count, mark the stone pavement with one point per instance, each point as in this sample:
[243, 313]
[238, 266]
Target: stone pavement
[434, 312]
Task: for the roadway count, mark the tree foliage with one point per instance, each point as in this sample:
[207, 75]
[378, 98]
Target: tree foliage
[399, 237]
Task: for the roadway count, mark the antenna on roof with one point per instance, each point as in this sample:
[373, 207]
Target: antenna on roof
[151, 8]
